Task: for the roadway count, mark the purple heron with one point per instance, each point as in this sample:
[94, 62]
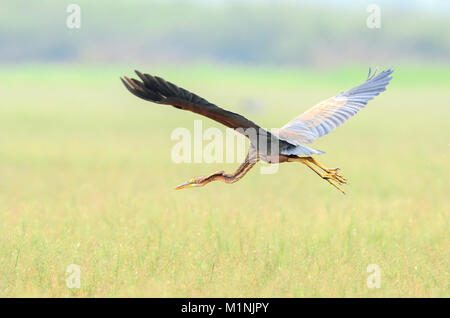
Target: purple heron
[289, 140]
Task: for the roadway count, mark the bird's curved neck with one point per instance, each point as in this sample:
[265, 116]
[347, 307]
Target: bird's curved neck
[240, 172]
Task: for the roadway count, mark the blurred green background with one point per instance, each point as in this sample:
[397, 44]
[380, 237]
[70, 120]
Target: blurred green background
[86, 175]
[288, 33]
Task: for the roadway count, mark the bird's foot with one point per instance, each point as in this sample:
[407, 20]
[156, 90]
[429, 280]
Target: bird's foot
[333, 174]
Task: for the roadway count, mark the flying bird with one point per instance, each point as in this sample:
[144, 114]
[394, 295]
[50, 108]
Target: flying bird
[287, 144]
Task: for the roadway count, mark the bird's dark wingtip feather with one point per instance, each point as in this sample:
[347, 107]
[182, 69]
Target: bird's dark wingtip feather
[128, 86]
[125, 82]
[138, 73]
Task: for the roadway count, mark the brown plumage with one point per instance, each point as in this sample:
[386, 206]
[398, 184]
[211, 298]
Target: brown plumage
[284, 145]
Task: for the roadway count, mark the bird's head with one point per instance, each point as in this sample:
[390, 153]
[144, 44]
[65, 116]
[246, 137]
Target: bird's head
[201, 181]
[194, 182]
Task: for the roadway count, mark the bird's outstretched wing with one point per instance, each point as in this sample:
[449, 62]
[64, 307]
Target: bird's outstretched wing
[158, 90]
[333, 112]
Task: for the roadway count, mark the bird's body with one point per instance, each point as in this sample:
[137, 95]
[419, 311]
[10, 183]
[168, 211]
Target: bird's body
[287, 144]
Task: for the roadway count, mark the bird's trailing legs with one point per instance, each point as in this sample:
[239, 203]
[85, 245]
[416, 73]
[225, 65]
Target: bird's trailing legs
[331, 175]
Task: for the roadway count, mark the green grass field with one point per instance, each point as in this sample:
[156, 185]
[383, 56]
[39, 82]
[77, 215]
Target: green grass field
[86, 178]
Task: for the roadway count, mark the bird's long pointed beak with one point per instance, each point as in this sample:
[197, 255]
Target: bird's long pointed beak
[188, 184]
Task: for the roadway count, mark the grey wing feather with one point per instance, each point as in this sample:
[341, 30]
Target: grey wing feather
[333, 112]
